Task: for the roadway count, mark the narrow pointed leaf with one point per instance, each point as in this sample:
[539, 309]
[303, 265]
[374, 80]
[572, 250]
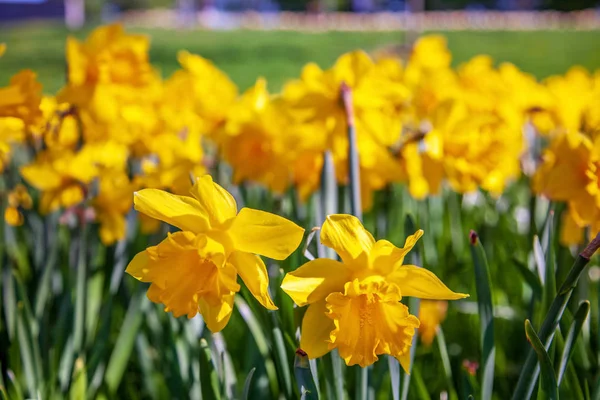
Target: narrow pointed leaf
[209, 379]
[486, 315]
[247, 384]
[574, 330]
[548, 386]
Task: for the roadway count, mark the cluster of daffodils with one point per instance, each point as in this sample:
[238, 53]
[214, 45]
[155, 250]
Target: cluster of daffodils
[115, 127]
[119, 136]
[117, 124]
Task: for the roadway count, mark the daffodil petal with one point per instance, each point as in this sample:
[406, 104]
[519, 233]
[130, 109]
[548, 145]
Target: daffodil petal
[41, 176]
[385, 257]
[216, 316]
[419, 282]
[315, 280]
[404, 360]
[138, 267]
[217, 203]
[316, 328]
[263, 233]
[180, 211]
[253, 272]
[347, 236]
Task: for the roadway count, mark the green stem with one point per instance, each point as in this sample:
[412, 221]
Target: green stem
[531, 370]
[80, 292]
[353, 161]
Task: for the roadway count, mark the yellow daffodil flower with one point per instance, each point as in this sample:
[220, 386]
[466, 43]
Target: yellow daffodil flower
[354, 305]
[62, 178]
[253, 140]
[111, 205]
[195, 270]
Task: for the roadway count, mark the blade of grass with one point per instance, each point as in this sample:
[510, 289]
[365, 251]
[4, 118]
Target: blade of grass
[260, 340]
[549, 292]
[394, 367]
[119, 357]
[548, 386]
[441, 342]
[281, 358]
[574, 330]
[486, 315]
[247, 384]
[209, 379]
[530, 277]
[80, 292]
[79, 386]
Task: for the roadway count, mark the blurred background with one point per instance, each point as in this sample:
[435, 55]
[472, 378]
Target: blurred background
[275, 38]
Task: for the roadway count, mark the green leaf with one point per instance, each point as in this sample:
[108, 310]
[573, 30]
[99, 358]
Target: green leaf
[209, 379]
[486, 315]
[260, 339]
[548, 386]
[574, 330]
[304, 379]
[247, 383]
[530, 277]
[550, 261]
[79, 385]
[117, 364]
[394, 367]
[441, 341]
[281, 358]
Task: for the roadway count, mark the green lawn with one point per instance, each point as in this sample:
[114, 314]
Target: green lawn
[246, 55]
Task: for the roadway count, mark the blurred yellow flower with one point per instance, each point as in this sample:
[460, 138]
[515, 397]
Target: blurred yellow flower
[111, 205]
[62, 177]
[211, 91]
[254, 140]
[21, 98]
[315, 107]
[570, 172]
[195, 270]
[18, 199]
[354, 305]
[431, 314]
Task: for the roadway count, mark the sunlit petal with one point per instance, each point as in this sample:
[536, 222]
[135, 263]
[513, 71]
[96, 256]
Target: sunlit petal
[263, 233]
[214, 201]
[316, 328]
[181, 211]
[419, 282]
[253, 272]
[347, 236]
[315, 280]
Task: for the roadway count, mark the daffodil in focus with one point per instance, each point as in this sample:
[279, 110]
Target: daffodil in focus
[196, 269]
[354, 305]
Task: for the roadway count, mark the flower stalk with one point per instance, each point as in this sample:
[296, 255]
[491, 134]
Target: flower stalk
[353, 160]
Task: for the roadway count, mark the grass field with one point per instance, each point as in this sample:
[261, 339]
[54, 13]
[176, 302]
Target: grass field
[246, 55]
